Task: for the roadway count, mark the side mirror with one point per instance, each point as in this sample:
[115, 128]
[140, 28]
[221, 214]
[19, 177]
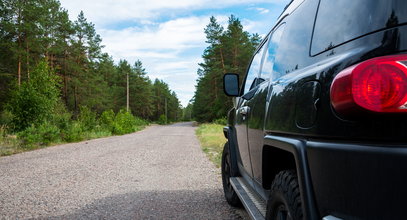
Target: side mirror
[231, 84]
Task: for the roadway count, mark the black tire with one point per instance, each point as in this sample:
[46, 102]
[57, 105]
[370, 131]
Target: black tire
[230, 194]
[285, 197]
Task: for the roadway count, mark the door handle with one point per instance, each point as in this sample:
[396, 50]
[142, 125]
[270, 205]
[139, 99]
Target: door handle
[244, 110]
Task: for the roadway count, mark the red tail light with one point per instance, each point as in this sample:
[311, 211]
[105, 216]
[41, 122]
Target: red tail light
[378, 85]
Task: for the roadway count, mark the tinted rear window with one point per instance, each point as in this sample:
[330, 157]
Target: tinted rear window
[339, 21]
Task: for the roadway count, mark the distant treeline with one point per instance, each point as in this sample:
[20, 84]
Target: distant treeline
[40, 30]
[229, 51]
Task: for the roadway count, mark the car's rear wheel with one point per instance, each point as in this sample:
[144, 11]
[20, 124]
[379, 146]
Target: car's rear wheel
[285, 198]
[230, 194]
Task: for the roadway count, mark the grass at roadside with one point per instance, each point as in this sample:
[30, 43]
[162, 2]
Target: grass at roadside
[49, 134]
[11, 144]
[212, 141]
[8, 144]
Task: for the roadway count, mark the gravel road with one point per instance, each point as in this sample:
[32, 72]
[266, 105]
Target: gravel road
[157, 173]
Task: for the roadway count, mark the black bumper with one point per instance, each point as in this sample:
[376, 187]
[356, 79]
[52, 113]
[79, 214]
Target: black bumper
[354, 181]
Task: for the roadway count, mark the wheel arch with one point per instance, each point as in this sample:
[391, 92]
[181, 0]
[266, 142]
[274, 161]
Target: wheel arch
[275, 160]
[289, 154]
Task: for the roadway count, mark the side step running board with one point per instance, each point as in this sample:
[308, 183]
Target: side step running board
[254, 204]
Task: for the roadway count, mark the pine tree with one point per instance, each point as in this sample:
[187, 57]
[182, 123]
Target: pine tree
[228, 51]
[141, 91]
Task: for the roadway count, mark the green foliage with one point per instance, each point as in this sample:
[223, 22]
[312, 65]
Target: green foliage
[97, 133]
[34, 101]
[165, 102]
[221, 121]
[187, 113]
[33, 30]
[3, 132]
[107, 120]
[162, 120]
[74, 132]
[6, 118]
[229, 50]
[61, 117]
[124, 123]
[51, 67]
[8, 144]
[43, 134]
[87, 118]
[140, 123]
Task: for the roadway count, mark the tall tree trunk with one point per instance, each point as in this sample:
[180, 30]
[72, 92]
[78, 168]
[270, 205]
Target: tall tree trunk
[75, 99]
[222, 60]
[19, 70]
[19, 47]
[27, 51]
[65, 81]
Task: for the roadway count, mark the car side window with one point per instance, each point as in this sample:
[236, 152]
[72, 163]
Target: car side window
[268, 66]
[355, 19]
[252, 78]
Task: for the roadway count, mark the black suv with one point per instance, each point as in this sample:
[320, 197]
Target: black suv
[319, 125]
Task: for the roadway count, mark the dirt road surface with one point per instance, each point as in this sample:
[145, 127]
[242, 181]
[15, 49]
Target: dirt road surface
[157, 173]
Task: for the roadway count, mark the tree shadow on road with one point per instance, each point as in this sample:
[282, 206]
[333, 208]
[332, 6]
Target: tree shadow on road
[177, 204]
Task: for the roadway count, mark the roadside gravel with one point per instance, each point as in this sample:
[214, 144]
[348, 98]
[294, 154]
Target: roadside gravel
[157, 173]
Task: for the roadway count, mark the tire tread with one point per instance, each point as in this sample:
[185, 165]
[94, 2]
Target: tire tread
[286, 183]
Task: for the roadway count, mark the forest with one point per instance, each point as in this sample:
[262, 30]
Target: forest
[56, 84]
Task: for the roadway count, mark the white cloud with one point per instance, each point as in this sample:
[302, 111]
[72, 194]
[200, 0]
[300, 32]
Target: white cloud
[263, 10]
[168, 38]
[111, 11]
[169, 46]
[164, 50]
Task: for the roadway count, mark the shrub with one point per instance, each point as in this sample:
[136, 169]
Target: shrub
[140, 122]
[5, 118]
[221, 121]
[74, 132]
[61, 117]
[49, 133]
[107, 120]
[34, 101]
[87, 118]
[162, 120]
[124, 123]
[43, 134]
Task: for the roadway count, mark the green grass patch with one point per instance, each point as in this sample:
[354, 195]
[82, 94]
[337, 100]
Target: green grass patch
[10, 145]
[212, 141]
[61, 129]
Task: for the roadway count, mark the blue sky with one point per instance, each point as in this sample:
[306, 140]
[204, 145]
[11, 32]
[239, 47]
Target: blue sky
[168, 36]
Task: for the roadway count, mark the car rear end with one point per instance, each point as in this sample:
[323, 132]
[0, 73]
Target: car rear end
[357, 150]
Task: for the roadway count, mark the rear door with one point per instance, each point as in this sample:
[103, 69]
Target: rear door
[258, 104]
[249, 89]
